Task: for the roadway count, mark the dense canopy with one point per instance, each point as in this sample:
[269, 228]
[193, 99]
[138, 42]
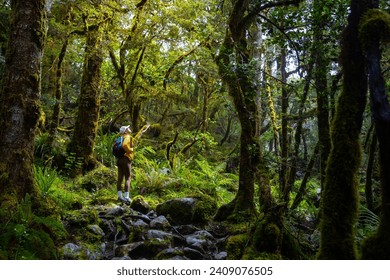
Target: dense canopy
[269, 128]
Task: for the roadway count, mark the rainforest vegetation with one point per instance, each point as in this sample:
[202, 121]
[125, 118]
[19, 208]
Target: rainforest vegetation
[269, 129]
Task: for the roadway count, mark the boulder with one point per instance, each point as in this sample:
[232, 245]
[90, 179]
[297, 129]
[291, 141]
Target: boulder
[71, 251]
[170, 254]
[184, 211]
[160, 223]
[98, 178]
[140, 205]
[129, 250]
[95, 229]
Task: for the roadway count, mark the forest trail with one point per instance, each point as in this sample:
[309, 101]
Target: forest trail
[118, 231]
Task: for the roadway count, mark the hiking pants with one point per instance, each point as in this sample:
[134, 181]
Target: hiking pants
[124, 171]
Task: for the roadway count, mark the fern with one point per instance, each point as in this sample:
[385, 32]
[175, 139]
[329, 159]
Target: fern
[28, 236]
[368, 218]
[368, 223]
[103, 149]
[46, 179]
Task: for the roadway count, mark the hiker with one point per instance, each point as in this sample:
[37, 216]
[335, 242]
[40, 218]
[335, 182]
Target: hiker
[124, 161]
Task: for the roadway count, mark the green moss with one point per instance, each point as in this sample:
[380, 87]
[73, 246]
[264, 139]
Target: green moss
[136, 234]
[25, 235]
[99, 178]
[374, 25]
[267, 237]
[155, 245]
[82, 218]
[235, 246]
[229, 212]
[139, 204]
[376, 247]
[252, 254]
[224, 211]
[204, 209]
[196, 209]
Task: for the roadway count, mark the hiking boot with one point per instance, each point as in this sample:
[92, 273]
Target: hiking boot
[124, 200]
[127, 200]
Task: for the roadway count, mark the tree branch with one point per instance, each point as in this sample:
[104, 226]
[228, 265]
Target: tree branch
[259, 8]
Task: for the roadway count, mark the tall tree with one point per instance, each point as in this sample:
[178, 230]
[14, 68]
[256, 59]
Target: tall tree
[321, 16]
[20, 99]
[375, 29]
[236, 68]
[86, 126]
[339, 201]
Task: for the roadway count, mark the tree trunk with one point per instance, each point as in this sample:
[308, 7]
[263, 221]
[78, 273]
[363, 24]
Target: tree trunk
[241, 87]
[298, 138]
[55, 119]
[83, 140]
[378, 246]
[339, 201]
[20, 100]
[302, 188]
[206, 99]
[321, 71]
[284, 143]
[370, 168]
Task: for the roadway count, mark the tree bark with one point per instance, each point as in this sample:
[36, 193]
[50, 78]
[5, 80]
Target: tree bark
[378, 246]
[20, 100]
[321, 71]
[284, 143]
[302, 188]
[84, 134]
[339, 198]
[298, 139]
[369, 170]
[235, 73]
[55, 119]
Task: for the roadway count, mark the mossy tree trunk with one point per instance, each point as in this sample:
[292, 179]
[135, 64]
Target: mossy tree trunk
[374, 23]
[321, 70]
[339, 201]
[368, 190]
[235, 71]
[85, 130]
[55, 118]
[284, 139]
[20, 99]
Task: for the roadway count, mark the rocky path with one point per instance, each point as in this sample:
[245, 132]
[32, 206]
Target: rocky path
[176, 229]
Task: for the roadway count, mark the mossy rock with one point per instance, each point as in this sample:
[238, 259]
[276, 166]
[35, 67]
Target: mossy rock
[169, 253]
[140, 205]
[81, 218]
[155, 245]
[228, 212]
[182, 211]
[235, 246]
[204, 209]
[99, 178]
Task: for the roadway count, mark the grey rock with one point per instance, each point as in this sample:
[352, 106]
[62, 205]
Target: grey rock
[116, 211]
[160, 223]
[221, 256]
[96, 230]
[71, 251]
[140, 205]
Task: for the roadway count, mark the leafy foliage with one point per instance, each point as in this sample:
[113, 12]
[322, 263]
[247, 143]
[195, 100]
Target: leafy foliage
[27, 236]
